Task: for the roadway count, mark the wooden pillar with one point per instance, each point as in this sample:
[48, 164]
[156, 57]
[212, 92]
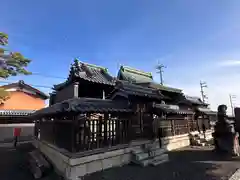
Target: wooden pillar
[76, 90]
[106, 117]
[103, 94]
[54, 131]
[73, 133]
[188, 124]
[173, 127]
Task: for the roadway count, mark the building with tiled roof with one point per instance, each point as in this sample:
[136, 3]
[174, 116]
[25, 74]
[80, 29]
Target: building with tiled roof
[22, 101]
[84, 80]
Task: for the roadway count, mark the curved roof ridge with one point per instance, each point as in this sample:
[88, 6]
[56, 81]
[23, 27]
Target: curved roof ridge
[137, 71]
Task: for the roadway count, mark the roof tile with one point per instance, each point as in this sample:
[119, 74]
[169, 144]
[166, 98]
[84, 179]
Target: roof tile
[83, 105]
[16, 112]
[88, 72]
[124, 88]
[134, 75]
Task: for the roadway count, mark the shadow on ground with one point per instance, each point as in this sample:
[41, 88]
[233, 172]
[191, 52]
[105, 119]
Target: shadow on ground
[13, 163]
[198, 163]
[185, 164]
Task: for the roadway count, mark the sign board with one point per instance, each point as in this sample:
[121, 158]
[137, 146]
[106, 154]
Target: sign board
[17, 132]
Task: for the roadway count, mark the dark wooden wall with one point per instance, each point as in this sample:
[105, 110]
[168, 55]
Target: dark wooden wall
[64, 94]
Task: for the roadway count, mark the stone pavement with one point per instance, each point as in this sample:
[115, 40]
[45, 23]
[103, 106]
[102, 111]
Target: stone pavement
[198, 163]
[13, 163]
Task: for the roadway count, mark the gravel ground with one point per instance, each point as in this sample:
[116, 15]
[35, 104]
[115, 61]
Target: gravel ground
[12, 163]
[198, 163]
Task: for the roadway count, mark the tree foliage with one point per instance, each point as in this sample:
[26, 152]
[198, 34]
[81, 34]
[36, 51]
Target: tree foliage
[4, 95]
[11, 64]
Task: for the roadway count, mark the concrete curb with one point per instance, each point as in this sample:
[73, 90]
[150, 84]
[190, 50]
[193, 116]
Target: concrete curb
[235, 176]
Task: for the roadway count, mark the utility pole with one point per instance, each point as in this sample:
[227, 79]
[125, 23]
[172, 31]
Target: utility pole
[202, 86]
[232, 97]
[160, 71]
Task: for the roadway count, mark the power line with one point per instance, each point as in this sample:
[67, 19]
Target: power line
[47, 75]
[36, 85]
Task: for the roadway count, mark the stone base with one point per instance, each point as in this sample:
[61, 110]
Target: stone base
[72, 166]
[175, 142]
[180, 141]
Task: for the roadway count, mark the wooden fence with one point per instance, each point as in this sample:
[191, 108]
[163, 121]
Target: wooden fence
[178, 126]
[99, 133]
[95, 133]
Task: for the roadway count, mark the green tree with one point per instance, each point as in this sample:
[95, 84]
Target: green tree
[11, 64]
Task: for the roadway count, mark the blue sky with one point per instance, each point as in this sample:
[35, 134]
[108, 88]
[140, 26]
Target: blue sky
[196, 40]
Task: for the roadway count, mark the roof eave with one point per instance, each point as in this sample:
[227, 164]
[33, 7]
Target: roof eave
[24, 85]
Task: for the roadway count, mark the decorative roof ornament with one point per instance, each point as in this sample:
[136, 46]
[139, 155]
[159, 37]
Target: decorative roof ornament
[87, 72]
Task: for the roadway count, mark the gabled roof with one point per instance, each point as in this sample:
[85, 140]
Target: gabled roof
[192, 100]
[125, 88]
[133, 75]
[170, 109]
[22, 85]
[142, 78]
[87, 72]
[161, 87]
[84, 105]
[207, 111]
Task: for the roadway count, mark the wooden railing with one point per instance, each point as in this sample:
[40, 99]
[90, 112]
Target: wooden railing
[172, 127]
[177, 126]
[79, 135]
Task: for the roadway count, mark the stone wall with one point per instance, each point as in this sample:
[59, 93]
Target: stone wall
[175, 142]
[6, 132]
[73, 167]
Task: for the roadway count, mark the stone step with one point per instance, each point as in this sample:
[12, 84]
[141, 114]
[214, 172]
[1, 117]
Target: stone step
[156, 163]
[144, 155]
[142, 163]
[161, 157]
[158, 152]
[145, 162]
[141, 156]
[137, 150]
[153, 146]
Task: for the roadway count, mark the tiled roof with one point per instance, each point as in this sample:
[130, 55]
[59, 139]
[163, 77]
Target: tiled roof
[161, 87]
[16, 112]
[84, 105]
[22, 84]
[124, 88]
[207, 111]
[142, 78]
[171, 109]
[88, 72]
[194, 100]
[134, 75]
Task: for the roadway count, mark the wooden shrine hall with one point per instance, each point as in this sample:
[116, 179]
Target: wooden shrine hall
[95, 117]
